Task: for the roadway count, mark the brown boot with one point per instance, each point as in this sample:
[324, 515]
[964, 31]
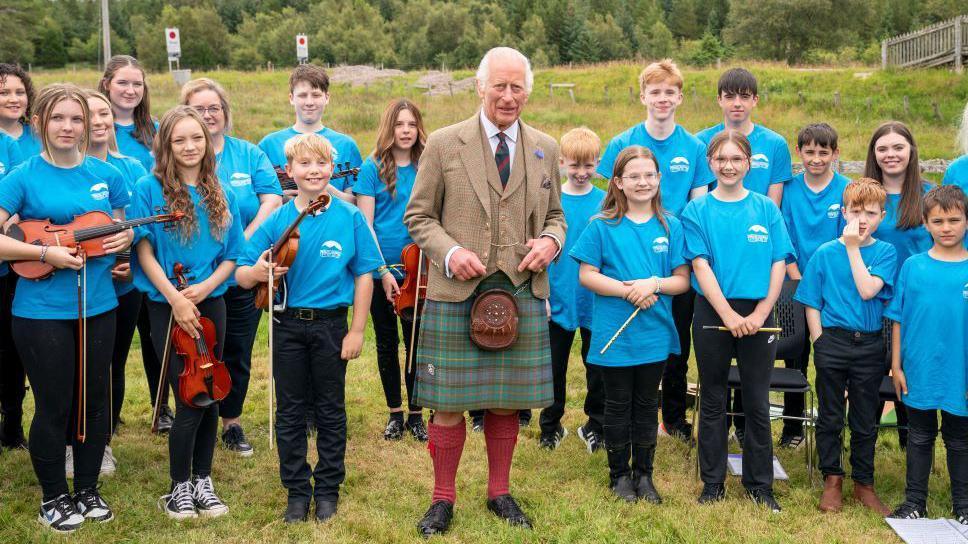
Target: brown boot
[866, 495]
[832, 499]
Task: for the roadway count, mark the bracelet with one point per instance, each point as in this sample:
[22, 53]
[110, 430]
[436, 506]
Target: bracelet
[382, 270]
[658, 285]
[43, 254]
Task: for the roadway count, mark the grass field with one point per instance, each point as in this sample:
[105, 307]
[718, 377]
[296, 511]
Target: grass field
[388, 484]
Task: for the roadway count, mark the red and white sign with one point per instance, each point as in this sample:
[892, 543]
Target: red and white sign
[173, 42]
[302, 47]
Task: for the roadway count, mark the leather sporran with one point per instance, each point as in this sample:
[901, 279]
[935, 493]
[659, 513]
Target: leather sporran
[494, 320]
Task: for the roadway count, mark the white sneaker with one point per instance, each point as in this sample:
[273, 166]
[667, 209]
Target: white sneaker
[69, 463]
[90, 504]
[109, 463]
[60, 514]
[206, 501]
[179, 503]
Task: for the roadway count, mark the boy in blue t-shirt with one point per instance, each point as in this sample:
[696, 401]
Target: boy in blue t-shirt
[844, 289]
[309, 96]
[312, 345]
[685, 176]
[930, 352]
[570, 303]
[770, 164]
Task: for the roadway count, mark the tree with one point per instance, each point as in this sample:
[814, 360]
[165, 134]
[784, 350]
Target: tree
[609, 38]
[534, 42]
[16, 18]
[49, 47]
[780, 29]
[683, 19]
[710, 49]
[657, 42]
[204, 39]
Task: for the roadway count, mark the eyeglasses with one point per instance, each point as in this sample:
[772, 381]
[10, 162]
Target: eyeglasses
[723, 161]
[648, 176]
[211, 110]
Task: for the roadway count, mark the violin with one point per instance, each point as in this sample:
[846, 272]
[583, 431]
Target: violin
[289, 184]
[408, 302]
[204, 380]
[284, 251]
[87, 233]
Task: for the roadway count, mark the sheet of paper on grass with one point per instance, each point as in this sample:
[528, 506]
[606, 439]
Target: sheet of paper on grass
[735, 464]
[929, 531]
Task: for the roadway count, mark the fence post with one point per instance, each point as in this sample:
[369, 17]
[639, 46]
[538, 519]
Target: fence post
[907, 106]
[868, 102]
[959, 44]
[606, 94]
[551, 90]
[632, 94]
[800, 97]
[836, 99]
[884, 55]
[450, 87]
[937, 110]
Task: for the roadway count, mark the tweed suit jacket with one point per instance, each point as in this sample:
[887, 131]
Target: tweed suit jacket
[457, 200]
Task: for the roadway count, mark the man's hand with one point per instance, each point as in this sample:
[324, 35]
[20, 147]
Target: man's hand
[543, 250]
[465, 265]
[352, 345]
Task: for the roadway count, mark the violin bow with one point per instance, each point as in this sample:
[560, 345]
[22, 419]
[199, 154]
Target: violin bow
[82, 348]
[416, 304]
[162, 390]
[620, 329]
[272, 382]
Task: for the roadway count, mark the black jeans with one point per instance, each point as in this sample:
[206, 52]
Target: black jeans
[149, 357]
[191, 441]
[12, 375]
[755, 358]
[561, 341]
[49, 351]
[311, 380]
[241, 326]
[632, 413]
[387, 349]
[922, 431]
[851, 362]
[674, 382]
[129, 306]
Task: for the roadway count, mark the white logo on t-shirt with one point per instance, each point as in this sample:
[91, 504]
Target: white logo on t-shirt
[3, 168]
[331, 249]
[833, 211]
[679, 164]
[757, 234]
[759, 160]
[964, 291]
[240, 179]
[660, 245]
[99, 191]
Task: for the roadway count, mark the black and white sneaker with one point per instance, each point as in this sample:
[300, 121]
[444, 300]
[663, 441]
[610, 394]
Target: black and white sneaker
[207, 502]
[90, 505]
[394, 429]
[553, 440]
[417, 429]
[764, 497]
[165, 419]
[477, 423]
[60, 514]
[909, 510]
[592, 440]
[180, 504]
[961, 515]
[233, 438]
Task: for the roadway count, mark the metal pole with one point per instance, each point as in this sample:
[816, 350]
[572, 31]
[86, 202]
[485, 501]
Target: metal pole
[106, 30]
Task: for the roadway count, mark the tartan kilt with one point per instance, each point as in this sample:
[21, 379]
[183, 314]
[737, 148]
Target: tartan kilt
[454, 375]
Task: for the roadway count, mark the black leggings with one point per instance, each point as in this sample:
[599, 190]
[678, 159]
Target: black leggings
[191, 441]
[149, 357]
[920, 453]
[387, 349]
[129, 306]
[12, 391]
[755, 358]
[49, 351]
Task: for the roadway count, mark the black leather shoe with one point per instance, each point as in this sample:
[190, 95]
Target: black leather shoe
[624, 489]
[165, 420]
[437, 519]
[645, 489]
[297, 510]
[325, 510]
[506, 507]
[712, 493]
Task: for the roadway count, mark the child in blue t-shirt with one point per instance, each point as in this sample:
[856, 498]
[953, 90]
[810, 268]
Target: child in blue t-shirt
[844, 318]
[331, 272]
[930, 352]
[125, 84]
[631, 258]
[10, 155]
[770, 164]
[739, 248]
[957, 171]
[17, 95]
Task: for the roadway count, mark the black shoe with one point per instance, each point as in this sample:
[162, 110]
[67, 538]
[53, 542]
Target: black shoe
[645, 489]
[524, 418]
[961, 515]
[792, 441]
[417, 429]
[394, 429]
[11, 432]
[165, 420]
[506, 507]
[909, 510]
[60, 514]
[477, 424]
[90, 505]
[712, 493]
[297, 510]
[624, 489]
[233, 438]
[764, 497]
[553, 440]
[437, 519]
[740, 435]
[592, 440]
[682, 433]
[325, 510]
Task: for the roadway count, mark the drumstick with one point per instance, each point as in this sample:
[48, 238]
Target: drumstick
[720, 328]
[619, 331]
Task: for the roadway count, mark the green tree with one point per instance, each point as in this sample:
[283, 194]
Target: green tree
[780, 29]
[534, 42]
[609, 38]
[710, 49]
[16, 20]
[683, 19]
[204, 39]
[49, 46]
[656, 42]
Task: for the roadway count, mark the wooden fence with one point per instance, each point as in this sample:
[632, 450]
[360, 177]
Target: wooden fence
[944, 43]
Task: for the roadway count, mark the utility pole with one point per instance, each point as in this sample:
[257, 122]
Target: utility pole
[106, 31]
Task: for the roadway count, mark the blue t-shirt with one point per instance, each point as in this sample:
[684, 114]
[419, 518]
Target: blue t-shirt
[391, 233]
[29, 143]
[907, 242]
[335, 247]
[200, 256]
[132, 171]
[245, 169]
[957, 173]
[571, 304]
[812, 219]
[344, 150]
[10, 155]
[770, 163]
[741, 240]
[39, 190]
[682, 162]
[631, 251]
[931, 304]
[828, 286]
[130, 147]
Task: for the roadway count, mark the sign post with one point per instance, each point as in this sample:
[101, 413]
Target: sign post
[173, 45]
[302, 48]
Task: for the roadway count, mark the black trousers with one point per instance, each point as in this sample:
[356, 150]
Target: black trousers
[755, 358]
[129, 306]
[191, 441]
[49, 351]
[923, 430]
[241, 326]
[387, 349]
[851, 362]
[12, 375]
[674, 381]
[900, 409]
[561, 341]
[149, 354]
[310, 379]
[632, 414]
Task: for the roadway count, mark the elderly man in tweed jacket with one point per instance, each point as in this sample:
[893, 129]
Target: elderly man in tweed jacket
[486, 210]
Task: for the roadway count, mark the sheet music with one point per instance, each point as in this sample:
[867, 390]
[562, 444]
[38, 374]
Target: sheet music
[929, 531]
[734, 462]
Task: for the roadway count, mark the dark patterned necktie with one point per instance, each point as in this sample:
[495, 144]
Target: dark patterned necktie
[503, 159]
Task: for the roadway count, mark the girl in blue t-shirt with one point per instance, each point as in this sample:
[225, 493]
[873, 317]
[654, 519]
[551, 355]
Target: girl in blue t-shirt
[382, 192]
[739, 248]
[45, 312]
[206, 243]
[124, 82]
[16, 99]
[245, 170]
[631, 258]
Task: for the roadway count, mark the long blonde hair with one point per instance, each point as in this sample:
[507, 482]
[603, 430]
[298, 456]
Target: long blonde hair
[177, 197]
[383, 153]
[49, 97]
[616, 204]
[112, 136]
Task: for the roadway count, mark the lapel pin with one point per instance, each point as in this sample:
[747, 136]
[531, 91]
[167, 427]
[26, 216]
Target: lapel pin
[539, 153]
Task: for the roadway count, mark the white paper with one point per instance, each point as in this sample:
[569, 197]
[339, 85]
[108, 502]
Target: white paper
[734, 462]
[929, 531]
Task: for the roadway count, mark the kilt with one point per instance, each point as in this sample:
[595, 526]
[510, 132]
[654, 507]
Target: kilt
[454, 375]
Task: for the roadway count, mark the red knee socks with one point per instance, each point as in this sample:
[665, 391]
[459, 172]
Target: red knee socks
[446, 445]
[500, 435]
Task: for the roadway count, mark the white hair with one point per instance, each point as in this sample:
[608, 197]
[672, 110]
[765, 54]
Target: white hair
[963, 132]
[484, 68]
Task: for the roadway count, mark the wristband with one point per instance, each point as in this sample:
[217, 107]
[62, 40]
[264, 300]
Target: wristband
[43, 254]
[658, 285]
